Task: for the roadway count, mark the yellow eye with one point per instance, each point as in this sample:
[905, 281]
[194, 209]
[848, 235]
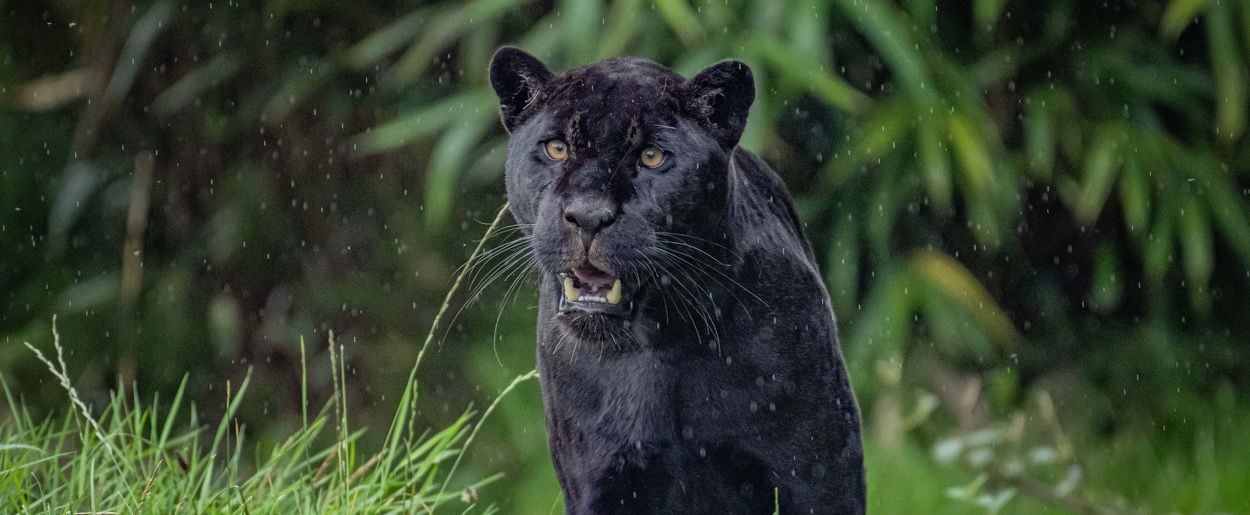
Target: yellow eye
[651, 157]
[557, 150]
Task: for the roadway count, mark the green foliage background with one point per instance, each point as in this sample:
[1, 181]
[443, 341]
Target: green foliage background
[1032, 218]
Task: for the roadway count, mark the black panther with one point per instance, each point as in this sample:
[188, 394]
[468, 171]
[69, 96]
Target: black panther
[687, 351]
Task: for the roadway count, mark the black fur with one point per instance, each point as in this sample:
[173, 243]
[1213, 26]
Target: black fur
[719, 382]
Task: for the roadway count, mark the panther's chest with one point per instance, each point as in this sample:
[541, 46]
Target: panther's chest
[650, 400]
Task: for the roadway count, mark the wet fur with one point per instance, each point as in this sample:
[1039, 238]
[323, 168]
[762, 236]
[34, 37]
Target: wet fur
[725, 386]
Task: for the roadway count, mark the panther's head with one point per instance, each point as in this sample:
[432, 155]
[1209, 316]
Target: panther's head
[618, 172]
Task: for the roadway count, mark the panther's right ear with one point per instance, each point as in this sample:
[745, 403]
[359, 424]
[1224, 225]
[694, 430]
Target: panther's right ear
[518, 78]
[720, 96]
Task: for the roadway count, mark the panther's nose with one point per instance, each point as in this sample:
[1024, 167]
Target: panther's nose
[590, 216]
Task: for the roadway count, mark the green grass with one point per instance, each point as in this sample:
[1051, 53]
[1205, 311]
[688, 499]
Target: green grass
[129, 459]
[137, 457]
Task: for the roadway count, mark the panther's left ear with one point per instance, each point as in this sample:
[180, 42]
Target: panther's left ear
[720, 96]
[517, 78]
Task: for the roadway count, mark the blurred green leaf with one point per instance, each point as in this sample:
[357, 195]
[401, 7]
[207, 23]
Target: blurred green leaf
[477, 48]
[487, 169]
[795, 68]
[382, 42]
[882, 210]
[987, 12]
[144, 32]
[809, 30]
[1178, 15]
[873, 137]
[683, 20]
[950, 327]
[1064, 107]
[1227, 204]
[297, 84]
[451, 25]
[1181, 87]
[882, 327]
[622, 24]
[90, 294]
[842, 270]
[1106, 280]
[934, 162]
[922, 12]
[583, 21]
[422, 123]
[541, 41]
[1243, 10]
[217, 70]
[1230, 73]
[1198, 250]
[447, 162]
[1160, 239]
[80, 181]
[1099, 172]
[1039, 135]
[1135, 191]
[973, 154]
[889, 32]
[953, 279]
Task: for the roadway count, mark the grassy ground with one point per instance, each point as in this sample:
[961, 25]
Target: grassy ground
[135, 457]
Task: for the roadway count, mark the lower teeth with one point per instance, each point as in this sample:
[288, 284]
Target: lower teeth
[572, 292]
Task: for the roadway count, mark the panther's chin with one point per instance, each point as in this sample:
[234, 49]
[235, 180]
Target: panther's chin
[595, 305]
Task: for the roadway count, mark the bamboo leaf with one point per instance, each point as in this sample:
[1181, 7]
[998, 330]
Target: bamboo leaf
[816, 79]
[873, 137]
[883, 207]
[682, 19]
[1178, 15]
[1227, 204]
[973, 154]
[950, 277]
[934, 163]
[1135, 192]
[622, 25]
[887, 29]
[1195, 236]
[1160, 240]
[1039, 136]
[1230, 73]
[388, 39]
[884, 325]
[218, 69]
[809, 30]
[1106, 281]
[583, 21]
[842, 266]
[447, 160]
[297, 84]
[422, 123]
[421, 55]
[987, 12]
[1099, 173]
[1243, 9]
[131, 61]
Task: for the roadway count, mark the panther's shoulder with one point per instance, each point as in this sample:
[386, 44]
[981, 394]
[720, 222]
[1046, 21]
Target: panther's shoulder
[761, 212]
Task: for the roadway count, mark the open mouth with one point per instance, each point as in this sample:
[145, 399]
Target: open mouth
[586, 288]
